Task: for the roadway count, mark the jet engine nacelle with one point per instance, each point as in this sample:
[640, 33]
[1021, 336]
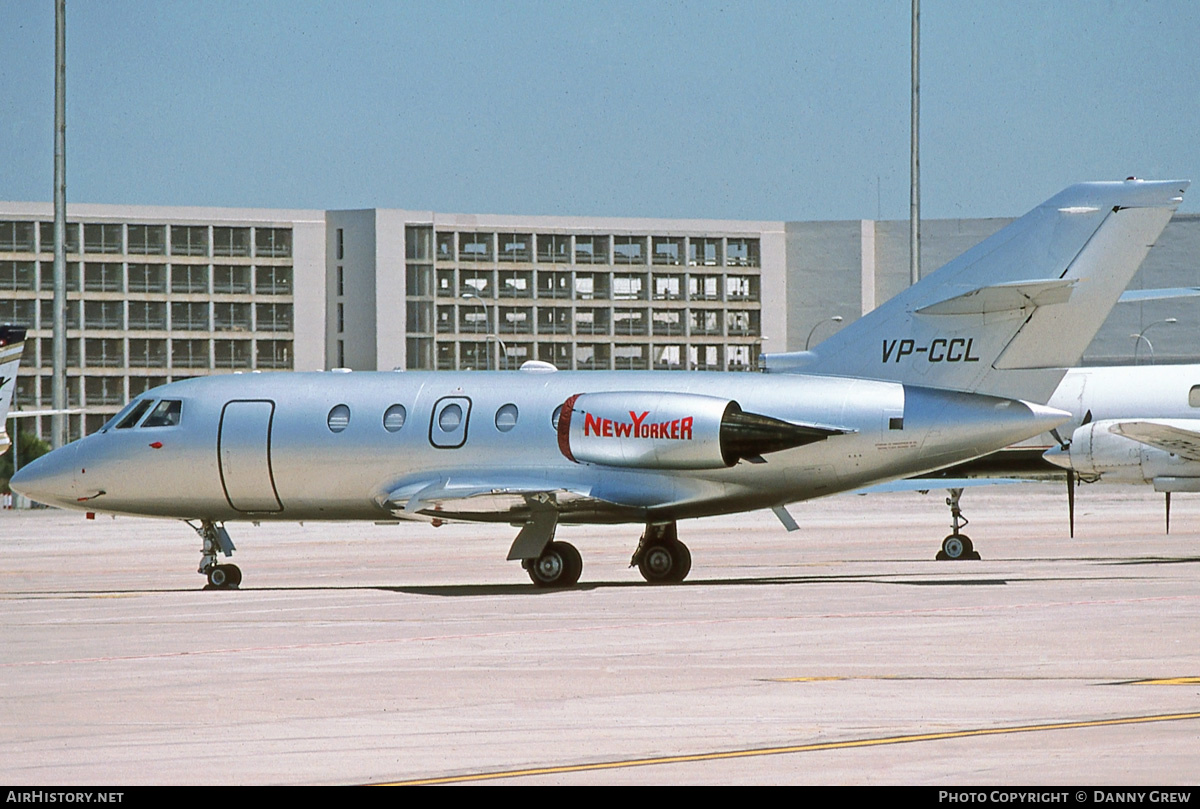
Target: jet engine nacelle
[648, 430]
[1099, 450]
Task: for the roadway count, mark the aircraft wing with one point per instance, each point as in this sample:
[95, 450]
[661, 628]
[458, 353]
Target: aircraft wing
[1160, 435]
[480, 495]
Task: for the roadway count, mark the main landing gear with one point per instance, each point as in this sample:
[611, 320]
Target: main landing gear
[957, 545]
[216, 539]
[559, 565]
[660, 556]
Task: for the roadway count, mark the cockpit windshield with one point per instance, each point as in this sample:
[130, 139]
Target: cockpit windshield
[128, 416]
[165, 414]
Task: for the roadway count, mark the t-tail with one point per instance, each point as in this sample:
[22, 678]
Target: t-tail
[12, 344]
[1010, 315]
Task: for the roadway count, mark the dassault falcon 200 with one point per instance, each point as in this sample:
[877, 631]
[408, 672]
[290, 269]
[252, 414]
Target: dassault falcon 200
[951, 369]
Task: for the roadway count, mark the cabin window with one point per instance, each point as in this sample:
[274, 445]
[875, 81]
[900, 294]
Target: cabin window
[554, 417]
[165, 414]
[393, 418]
[1194, 396]
[506, 418]
[339, 418]
[450, 418]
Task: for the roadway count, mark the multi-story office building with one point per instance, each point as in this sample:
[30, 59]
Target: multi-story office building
[420, 290]
[159, 294]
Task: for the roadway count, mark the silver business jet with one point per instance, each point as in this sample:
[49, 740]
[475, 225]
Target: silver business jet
[949, 370]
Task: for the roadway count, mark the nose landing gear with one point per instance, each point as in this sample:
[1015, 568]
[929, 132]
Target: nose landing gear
[957, 545]
[215, 540]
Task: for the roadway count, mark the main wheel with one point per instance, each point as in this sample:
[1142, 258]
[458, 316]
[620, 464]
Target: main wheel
[956, 546]
[665, 561]
[224, 577]
[560, 565]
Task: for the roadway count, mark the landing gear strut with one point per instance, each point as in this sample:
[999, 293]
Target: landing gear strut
[957, 545]
[660, 556]
[216, 539]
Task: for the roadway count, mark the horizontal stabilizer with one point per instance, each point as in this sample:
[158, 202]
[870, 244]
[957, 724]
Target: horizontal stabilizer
[1009, 297]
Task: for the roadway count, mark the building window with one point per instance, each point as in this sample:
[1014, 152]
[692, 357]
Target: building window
[147, 240]
[147, 315]
[628, 287]
[340, 253]
[420, 317]
[47, 237]
[591, 249]
[16, 237]
[104, 354]
[189, 278]
[102, 238]
[274, 354]
[668, 321]
[418, 280]
[705, 321]
[341, 318]
[516, 284]
[630, 357]
[273, 316]
[591, 320]
[104, 314]
[17, 275]
[103, 390]
[231, 241]
[24, 313]
[554, 248]
[231, 280]
[231, 317]
[742, 253]
[418, 243]
[741, 287]
[591, 286]
[704, 252]
[554, 320]
[231, 353]
[189, 240]
[475, 246]
[668, 250]
[475, 282]
[273, 242]
[742, 322]
[592, 357]
[46, 282]
[189, 317]
[704, 287]
[147, 278]
[103, 277]
[629, 321]
[629, 250]
[189, 353]
[516, 320]
[273, 280]
[552, 284]
[516, 247]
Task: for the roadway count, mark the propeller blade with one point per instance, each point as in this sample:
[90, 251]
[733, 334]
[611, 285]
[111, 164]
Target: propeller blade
[1168, 512]
[1071, 499]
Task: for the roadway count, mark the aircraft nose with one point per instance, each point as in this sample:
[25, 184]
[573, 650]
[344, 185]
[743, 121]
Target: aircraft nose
[50, 479]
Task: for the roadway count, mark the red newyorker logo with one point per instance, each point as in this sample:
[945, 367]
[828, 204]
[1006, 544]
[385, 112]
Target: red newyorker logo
[680, 429]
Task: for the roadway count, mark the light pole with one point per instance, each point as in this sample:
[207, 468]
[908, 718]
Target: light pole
[834, 319]
[1141, 335]
[471, 296]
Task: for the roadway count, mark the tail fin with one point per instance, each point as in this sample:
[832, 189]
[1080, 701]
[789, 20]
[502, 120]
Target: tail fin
[1008, 316]
[12, 344]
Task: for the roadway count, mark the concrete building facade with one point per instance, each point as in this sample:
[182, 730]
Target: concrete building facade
[157, 294]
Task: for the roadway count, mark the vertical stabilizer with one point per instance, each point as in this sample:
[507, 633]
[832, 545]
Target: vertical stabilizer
[1008, 316]
[12, 344]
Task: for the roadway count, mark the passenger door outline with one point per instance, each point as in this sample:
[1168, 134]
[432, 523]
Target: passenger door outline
[244, 455]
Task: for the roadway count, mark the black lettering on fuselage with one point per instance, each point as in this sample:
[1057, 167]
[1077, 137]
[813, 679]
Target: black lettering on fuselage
[940, 349]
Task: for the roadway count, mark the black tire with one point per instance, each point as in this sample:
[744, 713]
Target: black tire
[955, 546]
[560, 565]
[233, 574]
[665, 562]
[218, 577]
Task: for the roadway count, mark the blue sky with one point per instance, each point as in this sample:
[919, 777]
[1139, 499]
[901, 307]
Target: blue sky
[746, 110]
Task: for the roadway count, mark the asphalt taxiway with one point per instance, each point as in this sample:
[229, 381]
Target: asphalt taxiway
[841, 653]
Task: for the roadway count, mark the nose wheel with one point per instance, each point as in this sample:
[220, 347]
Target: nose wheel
[224, 577]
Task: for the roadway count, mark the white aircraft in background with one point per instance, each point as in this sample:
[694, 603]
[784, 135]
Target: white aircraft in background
[12, 345]
[953, 368]
[1136, 425]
